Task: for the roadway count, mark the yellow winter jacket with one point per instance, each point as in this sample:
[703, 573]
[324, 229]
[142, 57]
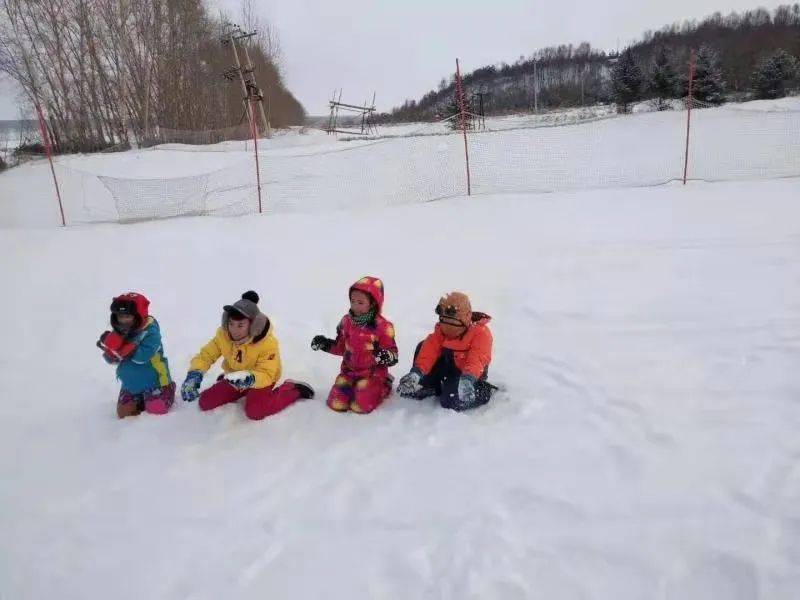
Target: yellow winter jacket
[260, 355]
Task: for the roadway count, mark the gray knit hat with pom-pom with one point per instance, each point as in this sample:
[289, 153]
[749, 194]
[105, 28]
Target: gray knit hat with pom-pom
[247, 308]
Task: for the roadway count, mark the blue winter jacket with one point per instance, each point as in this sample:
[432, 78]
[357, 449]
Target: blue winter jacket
[147, 368]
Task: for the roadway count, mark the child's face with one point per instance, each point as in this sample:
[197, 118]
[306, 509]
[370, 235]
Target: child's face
[239, 329]
[359, 302]
[125, 321]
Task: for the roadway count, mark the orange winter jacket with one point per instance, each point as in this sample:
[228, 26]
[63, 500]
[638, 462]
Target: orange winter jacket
[472, 351]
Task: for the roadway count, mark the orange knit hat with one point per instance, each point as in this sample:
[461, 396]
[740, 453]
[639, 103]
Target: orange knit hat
[455, 314]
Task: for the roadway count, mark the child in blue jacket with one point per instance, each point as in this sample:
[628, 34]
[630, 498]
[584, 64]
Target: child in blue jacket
[134, 345]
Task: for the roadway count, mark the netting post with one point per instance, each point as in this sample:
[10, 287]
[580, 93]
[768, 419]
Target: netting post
[48, 148]
[462, 116]
[688, 115]
[254, 128]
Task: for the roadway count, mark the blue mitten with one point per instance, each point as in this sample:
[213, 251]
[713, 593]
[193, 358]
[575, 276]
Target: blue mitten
[190, 390]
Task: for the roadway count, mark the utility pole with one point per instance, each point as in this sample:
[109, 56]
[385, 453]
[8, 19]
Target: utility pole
[250, 90]
[463, 121]
[689, 112]
[535, 86]
[264, 120]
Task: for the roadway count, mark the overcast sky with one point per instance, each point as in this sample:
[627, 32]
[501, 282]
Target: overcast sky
[402, 48]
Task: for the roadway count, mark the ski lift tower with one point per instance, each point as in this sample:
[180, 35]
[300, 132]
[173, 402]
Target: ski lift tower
[363, 115]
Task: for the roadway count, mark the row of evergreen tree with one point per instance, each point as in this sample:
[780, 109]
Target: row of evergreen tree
[740, 55]
[665, 80]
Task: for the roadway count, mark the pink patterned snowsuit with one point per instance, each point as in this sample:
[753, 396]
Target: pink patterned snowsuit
[362, 383]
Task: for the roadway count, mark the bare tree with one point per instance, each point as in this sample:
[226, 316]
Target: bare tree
[106, 70]
[267, 38]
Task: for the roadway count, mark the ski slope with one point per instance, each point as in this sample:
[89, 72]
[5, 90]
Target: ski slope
[645, 445]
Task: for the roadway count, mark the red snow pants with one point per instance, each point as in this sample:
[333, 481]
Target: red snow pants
[258, 403]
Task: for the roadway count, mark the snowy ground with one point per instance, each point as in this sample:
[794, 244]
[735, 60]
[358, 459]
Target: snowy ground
[646, 446]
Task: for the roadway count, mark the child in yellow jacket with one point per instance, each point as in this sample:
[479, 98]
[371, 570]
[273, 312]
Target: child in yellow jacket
[251, 364]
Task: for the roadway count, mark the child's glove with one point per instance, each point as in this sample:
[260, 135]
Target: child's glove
[241, 380]
[111, 359]
[466, 391]
[384, 357]
[190, 390]
[320, 342]
[409, 385]
[116, 346]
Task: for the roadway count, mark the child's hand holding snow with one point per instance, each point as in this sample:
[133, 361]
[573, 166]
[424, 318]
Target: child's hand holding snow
[409, 385]
[466, 391]
[241, 380]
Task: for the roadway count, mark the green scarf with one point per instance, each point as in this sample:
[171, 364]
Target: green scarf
[364, 319]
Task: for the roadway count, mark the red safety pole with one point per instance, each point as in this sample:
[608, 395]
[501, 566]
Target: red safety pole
[688, 115]
[463, 123]
[254, 127]
[48, 148]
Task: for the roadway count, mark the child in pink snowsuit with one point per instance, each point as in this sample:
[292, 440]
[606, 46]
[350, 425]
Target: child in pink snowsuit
[365, 341]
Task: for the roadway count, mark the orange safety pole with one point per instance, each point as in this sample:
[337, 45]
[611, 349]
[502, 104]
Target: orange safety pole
[48, 148]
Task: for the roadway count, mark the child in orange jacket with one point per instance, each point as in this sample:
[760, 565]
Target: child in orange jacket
[453, 361]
